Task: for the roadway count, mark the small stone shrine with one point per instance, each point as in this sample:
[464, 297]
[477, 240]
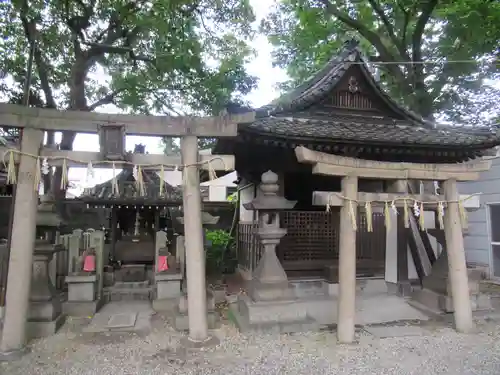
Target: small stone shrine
[86, 277]
[167, 275]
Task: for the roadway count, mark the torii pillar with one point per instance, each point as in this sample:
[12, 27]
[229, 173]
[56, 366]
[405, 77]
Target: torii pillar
[195, 253]
[13, 340]
[457, 265]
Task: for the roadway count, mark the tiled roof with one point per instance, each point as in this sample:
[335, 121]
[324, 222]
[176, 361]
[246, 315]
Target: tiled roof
[291, 115]
[371, 130]
[325, 80]
[128, 189]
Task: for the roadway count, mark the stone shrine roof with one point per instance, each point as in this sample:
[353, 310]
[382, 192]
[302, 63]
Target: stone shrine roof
[129, 192]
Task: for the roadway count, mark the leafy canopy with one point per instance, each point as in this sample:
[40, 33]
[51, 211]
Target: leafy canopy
[306, 33]
[166, 56]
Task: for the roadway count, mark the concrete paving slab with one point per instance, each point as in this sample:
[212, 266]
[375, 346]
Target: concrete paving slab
[384, 309]
[122, 316]
[122, 320]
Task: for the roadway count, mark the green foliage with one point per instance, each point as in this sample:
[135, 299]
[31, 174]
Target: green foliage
[157, 56]
[171, 145]
[306, 33]
[233, 198]
[218, 260]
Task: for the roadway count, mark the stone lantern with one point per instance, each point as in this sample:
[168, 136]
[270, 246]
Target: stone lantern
[271, 302]
[269, 280]
[45, 314]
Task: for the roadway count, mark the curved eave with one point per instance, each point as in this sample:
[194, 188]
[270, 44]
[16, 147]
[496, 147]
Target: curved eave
[295, 139]
[135, 201]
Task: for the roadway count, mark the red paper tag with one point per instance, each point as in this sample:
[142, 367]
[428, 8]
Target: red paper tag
[89, 263]
[162, 263]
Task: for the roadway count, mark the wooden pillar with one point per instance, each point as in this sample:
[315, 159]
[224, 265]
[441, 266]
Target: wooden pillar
[347, 264]
[21, 255]
[195, 254]
[458, 277]
[113, 234]
[396, 257]
[403, 284]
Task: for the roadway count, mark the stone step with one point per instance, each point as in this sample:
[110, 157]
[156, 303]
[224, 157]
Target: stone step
[130, 284]
[130, 294]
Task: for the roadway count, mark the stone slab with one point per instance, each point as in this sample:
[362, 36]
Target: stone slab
[385, 309]
[36, 330]
[81, 278]
[243, 324]
[124, 320]
[444, 303]
[395, 331]
[142, 309]
[271, 292]
[168, 288]
[162, 276]
[271, 311]
[82, 308]
[82, 291]
[14, 355]
[45, 311]
[165, 304]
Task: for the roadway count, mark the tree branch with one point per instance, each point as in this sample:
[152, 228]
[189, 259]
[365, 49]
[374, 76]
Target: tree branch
[43, 68]
[373, 38]
[107, 99]
[418, 68]
[390, 29]
[120, 50]
[420, 27]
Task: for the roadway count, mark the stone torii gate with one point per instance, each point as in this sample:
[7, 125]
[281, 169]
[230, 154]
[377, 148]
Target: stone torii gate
[350, 170]
[112, 129]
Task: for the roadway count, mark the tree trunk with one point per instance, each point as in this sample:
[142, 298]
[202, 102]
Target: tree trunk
[78, 102]
[423, 101]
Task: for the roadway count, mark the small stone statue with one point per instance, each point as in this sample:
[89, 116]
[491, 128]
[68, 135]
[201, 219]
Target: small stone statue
[166, 261]
[86, 262]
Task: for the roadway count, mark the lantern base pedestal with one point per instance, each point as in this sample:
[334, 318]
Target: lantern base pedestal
[260, 291]
[280, 316]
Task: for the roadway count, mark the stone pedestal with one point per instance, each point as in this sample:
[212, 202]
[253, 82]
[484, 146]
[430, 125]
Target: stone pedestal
[45, 312]
[181, 322]
[168, 289]
[82, 295]
[436, 296]
[271, 303]
[269, 279]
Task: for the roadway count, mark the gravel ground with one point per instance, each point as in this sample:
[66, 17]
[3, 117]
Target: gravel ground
[439, 351]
